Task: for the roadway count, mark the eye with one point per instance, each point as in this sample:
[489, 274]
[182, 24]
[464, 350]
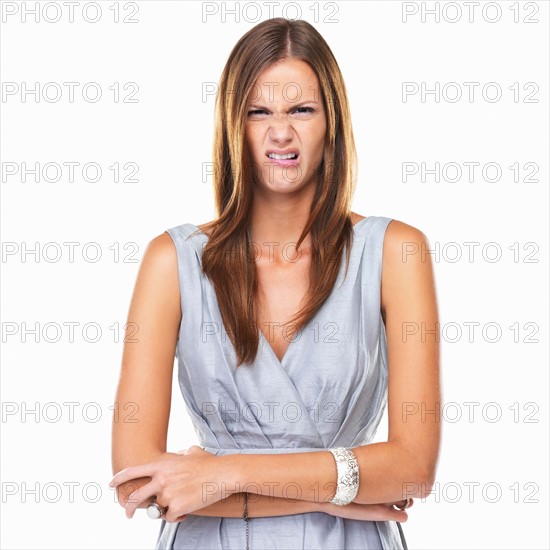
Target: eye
[256, 113]
[262, 114]
[303, 113]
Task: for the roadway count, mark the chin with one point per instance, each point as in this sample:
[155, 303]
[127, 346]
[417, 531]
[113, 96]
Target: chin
[283, 187]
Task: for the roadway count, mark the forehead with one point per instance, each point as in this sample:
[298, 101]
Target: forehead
[289, 80]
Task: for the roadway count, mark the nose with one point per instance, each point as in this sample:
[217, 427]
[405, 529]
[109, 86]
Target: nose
[279, 126]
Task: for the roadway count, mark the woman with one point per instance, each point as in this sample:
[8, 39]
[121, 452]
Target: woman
[286, 357]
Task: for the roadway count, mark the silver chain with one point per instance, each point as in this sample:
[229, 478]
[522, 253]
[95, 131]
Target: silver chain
[245, 516]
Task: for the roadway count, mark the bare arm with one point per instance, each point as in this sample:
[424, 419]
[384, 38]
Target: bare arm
[405, 465]
[146, 380]
[147, 364]
[258, 506]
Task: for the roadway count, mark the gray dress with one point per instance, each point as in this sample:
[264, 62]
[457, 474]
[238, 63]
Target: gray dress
[330, 390]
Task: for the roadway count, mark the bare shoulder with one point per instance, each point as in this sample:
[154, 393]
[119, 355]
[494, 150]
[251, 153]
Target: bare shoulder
[399, 234]
[158, 273]
[161, 250]
[406, 265]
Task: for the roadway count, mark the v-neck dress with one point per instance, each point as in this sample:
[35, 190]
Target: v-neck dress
[329, 390]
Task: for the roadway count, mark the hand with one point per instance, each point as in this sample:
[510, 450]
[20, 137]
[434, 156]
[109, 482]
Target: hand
[366, 512]
[184, 482]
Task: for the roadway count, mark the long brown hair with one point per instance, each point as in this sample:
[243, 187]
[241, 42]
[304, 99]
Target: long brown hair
[228, 258]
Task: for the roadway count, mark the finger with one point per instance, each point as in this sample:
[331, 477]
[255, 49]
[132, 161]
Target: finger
[133, 472]
[396, 515]
[400, 515]
[142, 495]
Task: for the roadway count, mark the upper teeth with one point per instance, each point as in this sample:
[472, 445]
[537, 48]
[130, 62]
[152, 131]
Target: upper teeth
[281, 157]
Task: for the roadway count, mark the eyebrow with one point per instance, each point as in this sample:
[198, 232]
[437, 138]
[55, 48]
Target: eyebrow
[298, 105]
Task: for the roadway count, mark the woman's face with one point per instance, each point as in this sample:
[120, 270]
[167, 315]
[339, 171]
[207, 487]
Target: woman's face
[285, 114]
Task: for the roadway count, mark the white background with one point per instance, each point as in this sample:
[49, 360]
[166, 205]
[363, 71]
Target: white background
[170, 52]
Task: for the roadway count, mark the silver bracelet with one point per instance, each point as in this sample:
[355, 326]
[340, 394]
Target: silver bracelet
[348, 475]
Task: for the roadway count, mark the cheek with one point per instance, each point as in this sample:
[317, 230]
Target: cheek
[319, 129]
[255, 155]
[251, 138]
[317, 140]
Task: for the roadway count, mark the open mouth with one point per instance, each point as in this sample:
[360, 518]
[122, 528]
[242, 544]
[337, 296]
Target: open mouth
[289, 156]
[283, 159]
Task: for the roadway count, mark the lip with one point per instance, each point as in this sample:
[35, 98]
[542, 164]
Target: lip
[283, 162]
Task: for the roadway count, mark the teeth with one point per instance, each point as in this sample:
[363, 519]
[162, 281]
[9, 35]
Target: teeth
[282, 157]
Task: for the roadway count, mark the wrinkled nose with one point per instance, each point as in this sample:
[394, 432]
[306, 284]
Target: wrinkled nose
[279, 126]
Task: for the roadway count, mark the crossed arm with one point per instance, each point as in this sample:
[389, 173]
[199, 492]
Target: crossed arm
[402, 467]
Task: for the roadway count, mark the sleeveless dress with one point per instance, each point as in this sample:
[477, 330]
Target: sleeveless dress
[329, 390]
